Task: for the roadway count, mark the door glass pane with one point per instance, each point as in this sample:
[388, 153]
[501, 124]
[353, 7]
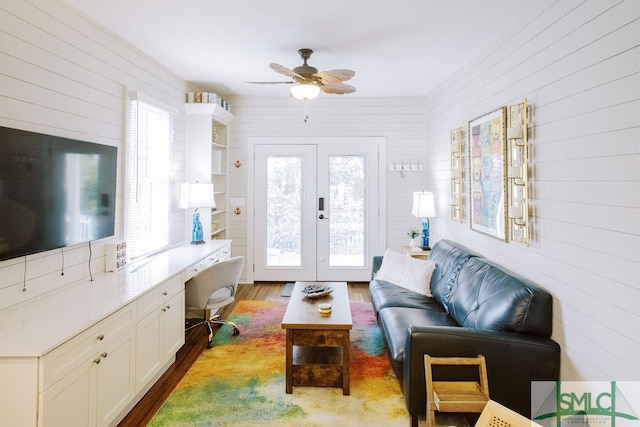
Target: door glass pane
[347, 208]
[284, 211]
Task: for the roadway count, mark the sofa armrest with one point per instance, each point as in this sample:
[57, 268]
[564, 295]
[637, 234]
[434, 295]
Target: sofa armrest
[513, 360]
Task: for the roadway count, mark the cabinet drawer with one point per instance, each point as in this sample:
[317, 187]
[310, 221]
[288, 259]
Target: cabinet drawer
[194, 269]
[159, 295]
[224, 253]
[68, 356]
[211, 259]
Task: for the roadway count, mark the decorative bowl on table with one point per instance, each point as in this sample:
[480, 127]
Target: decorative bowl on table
[316, 291]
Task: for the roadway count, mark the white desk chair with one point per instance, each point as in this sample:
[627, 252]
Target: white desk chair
[211, 290]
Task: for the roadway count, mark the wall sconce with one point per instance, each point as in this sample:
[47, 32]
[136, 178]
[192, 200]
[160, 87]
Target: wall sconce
[518, 173]
[457, 201]
[197, 196]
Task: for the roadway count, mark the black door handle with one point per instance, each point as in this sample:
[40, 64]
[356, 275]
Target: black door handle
[323, 217]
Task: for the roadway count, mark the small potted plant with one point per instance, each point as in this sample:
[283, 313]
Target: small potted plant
[414, 243]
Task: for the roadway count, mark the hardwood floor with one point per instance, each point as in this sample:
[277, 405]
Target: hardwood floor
[196, 341]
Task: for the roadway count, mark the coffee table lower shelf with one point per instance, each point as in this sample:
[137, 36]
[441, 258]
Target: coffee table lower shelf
[318, 365]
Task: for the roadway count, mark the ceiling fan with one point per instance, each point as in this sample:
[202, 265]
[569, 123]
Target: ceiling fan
[308, 82]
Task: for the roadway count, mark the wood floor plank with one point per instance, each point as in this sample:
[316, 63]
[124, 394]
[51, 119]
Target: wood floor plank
[196, 342]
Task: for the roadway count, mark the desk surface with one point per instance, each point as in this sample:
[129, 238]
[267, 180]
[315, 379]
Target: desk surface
[34, 328]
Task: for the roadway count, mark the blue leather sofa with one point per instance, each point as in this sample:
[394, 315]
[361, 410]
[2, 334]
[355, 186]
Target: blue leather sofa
[476, 307]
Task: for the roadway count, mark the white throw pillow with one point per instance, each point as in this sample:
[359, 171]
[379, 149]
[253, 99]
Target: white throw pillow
[410, 273]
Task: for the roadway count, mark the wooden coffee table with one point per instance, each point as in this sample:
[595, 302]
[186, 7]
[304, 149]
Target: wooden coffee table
[318, 346]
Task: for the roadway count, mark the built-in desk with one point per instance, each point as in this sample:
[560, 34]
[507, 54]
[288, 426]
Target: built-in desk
[86, 353]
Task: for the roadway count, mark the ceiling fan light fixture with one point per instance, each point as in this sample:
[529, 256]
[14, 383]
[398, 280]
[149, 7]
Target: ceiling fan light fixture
[305, 91]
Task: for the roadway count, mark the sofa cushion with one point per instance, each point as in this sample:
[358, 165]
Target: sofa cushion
[384, 294]
[408, 272]
[488, 297]
[449, 258]
[394, 322]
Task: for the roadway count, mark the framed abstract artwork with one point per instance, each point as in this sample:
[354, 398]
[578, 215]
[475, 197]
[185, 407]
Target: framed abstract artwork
[487, 154]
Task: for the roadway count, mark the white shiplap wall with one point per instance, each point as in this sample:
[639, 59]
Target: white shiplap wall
[400, 120]
[63, 75]
[578, 64]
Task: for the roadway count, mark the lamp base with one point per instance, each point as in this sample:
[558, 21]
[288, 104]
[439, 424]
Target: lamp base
[197, 236]
[424, 242]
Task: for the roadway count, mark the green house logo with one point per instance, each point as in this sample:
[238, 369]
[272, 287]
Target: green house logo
[587, 404]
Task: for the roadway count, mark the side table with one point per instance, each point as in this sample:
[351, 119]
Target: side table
[423, 254]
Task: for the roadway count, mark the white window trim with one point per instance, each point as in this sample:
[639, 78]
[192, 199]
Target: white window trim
[131, 97]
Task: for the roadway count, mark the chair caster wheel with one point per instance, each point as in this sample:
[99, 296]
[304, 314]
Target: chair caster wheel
[236, 331]
[209, 344]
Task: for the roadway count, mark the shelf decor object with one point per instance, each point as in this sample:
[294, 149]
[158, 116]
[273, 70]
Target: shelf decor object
[457, 200]
[517, 173]
[424, 208]
[116, 256]
[487, 152]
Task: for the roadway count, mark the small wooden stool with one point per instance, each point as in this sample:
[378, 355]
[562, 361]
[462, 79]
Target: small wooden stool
[455, 396]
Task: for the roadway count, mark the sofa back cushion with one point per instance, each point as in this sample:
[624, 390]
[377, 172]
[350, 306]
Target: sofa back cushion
[486, 296]
[449, 257]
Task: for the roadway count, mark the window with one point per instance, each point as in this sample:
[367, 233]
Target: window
[148, 183]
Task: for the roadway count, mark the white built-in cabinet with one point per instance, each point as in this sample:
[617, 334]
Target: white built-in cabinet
[91, 373]
[207, 160]
[160, 330]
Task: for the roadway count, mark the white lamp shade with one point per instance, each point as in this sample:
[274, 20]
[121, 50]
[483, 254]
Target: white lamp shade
[197, 196]
[305, 91]
[423, 205]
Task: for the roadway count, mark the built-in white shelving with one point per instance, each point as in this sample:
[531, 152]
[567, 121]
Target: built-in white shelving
[207, 161]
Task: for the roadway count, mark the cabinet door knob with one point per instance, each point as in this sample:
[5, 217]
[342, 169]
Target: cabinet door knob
[100, 337]
[96, 361]
[104, 355]
[164, 293]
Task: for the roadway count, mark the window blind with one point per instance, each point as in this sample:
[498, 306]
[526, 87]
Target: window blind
[148, 179]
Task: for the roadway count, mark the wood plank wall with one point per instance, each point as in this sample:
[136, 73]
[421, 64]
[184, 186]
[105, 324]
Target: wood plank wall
[578, 64]
[62, 74]
[401, 121]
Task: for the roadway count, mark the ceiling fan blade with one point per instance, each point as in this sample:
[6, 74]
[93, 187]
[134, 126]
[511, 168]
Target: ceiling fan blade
[273, 83]
[338, 88]
[284, 70]
[335, 76]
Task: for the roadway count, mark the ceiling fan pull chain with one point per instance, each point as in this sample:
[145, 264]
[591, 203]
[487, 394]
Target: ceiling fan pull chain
[306, 111]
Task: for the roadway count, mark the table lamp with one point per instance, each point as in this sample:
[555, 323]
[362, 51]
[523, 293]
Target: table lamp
[424, 207]
[197, 196]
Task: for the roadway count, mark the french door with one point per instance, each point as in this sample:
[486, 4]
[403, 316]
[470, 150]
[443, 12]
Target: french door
[316, 211]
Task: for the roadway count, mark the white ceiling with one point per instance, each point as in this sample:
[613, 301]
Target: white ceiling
[396, 48]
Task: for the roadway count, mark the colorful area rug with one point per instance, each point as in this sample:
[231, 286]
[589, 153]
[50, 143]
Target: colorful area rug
[241, 381]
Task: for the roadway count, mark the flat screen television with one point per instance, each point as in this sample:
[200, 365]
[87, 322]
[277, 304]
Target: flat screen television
[54, 192]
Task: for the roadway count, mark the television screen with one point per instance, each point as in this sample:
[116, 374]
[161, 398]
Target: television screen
[54, 192]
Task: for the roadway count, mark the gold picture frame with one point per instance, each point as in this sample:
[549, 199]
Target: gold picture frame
[487, 178]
